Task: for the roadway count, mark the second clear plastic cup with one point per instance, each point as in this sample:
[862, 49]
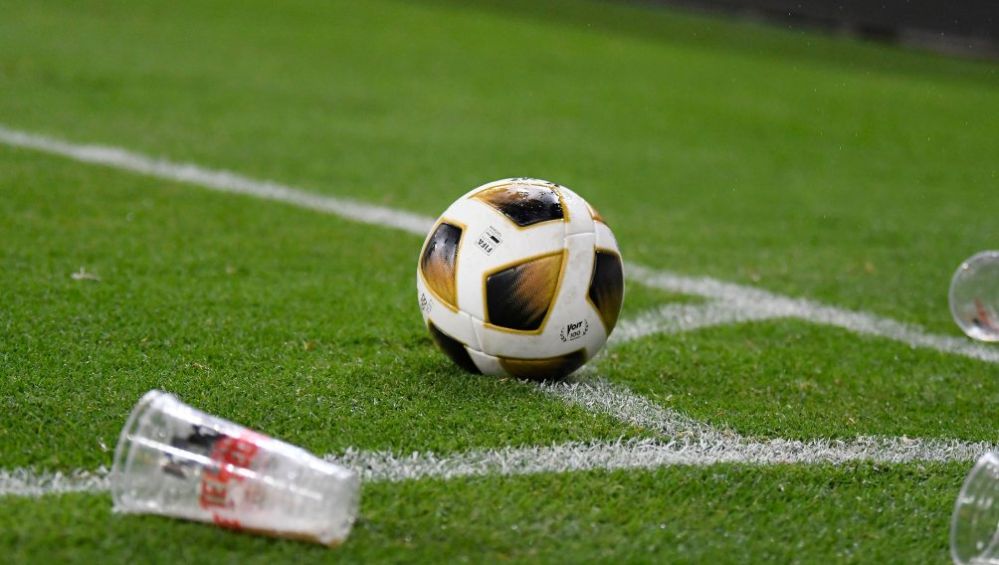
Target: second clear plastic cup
[974, 526]
[177, 461]
[974, 296]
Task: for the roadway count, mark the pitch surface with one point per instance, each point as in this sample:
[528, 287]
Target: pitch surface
[851, 174]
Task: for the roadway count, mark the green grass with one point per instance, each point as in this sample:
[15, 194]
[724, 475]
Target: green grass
[796, 380]
[851, 173]
[803, 164]
[238, 317]
[717, 514]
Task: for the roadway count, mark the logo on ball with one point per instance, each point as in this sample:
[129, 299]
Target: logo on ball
[574, 330]
[489, 240]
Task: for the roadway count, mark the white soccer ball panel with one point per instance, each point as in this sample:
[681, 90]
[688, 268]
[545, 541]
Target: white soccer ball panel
[487, 364]
[605, 237]
[580, 220]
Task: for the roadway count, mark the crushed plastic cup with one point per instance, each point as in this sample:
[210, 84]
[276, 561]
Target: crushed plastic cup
[174, 460]
[974, 526]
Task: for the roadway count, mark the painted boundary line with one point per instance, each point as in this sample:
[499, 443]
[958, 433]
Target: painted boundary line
[624, 405]
[30, 483]
[753, 303]
[218, 180]
[651, 454]
[678, 318]
[570, 457]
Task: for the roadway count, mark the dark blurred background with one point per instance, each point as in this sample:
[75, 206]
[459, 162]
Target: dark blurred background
[960, 27]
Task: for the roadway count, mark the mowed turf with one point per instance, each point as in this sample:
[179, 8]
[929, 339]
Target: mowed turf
[792, 379]
[855, 174]
[717, 514]
[281, 319]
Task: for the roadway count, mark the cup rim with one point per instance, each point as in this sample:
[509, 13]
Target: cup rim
[121, 450]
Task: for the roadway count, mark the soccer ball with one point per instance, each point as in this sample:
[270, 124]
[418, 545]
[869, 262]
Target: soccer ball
[520, 277]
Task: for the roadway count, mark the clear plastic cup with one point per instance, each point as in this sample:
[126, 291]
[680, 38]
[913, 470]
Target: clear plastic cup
[974, 296]
[974, 526]
[176, 461]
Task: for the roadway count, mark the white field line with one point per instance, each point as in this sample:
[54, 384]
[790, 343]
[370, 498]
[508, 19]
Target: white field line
[650, 454]
[28, 482]
[678, 318]
[752, 301]
[588, 390]
[572, 457]
[626, 406]
[596, 395]
[218, 180]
